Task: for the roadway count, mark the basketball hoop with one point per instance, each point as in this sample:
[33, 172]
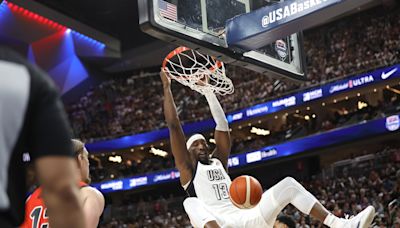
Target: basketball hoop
[202, 73]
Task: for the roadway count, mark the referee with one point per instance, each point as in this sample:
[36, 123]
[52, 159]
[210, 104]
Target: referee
[32, 120]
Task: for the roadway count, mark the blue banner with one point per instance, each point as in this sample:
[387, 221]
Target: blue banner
[316, 93]
[314, 142]
[255, 111]
[261, 27]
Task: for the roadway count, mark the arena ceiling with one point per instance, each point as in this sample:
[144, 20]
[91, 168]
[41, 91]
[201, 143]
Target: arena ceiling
[120, 19]
[116, 18]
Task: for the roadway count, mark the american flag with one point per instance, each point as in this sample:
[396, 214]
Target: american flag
[168, 10]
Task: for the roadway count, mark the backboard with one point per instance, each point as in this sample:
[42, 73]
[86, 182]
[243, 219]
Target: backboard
[200, 25]
[262, 35]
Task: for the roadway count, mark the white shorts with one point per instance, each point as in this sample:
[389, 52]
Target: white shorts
[200, 214]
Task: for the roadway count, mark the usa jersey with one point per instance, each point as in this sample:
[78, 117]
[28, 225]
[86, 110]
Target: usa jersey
[210, 184]
[36, 211]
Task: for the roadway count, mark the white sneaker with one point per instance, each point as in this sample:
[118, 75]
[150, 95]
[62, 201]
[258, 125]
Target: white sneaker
[363, 219]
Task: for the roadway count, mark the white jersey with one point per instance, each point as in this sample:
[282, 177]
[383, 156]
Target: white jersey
[210, 184]
[209, 200]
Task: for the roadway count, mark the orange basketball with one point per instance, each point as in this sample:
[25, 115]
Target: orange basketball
[245, 192]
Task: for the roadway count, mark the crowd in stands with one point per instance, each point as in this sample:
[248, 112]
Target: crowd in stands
[343, 188]
[162, 212]
[354, 45]
[294, 127]
[101, 169]
[128, 105]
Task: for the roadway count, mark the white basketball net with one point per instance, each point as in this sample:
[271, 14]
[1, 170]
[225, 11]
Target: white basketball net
[201, 73]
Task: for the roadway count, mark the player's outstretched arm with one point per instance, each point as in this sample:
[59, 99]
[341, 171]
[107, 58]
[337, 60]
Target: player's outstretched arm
[177, 138]
[222, 135]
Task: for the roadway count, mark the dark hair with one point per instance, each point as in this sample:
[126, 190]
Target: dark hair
[288, 221]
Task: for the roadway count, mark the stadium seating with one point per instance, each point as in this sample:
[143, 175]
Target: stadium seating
[342, 187]
[342, 48]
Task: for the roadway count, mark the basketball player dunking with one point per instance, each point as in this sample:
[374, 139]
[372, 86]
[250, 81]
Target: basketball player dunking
[203, 175]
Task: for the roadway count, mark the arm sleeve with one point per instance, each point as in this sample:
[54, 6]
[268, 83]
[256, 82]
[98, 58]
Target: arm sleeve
[217, 112]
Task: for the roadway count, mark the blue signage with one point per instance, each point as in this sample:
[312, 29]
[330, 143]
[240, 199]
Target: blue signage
[264, 26]
[317, 141]
[255, 111]
[317, 93]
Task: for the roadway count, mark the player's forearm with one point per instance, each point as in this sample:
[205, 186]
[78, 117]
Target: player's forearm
[58, 179]
[217, 112]
[170, 113]
[64, 208]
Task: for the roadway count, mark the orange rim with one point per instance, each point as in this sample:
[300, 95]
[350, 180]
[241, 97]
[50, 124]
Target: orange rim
[181, 49]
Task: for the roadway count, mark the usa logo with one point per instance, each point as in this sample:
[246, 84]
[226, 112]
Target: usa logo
[392, 123]
[281, 49]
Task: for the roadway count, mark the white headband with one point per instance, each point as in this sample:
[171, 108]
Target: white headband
[194, 138]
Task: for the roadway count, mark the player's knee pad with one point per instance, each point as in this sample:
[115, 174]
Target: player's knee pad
[289, 190]
[197, 212]
[190, 202]
[289, 181]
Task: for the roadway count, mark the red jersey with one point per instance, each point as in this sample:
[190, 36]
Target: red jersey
[36, 211]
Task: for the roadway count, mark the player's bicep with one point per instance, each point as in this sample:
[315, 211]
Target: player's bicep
[223, 146]
[57, 176]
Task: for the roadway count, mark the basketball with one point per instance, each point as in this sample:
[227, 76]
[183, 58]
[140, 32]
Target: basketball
[245, 192]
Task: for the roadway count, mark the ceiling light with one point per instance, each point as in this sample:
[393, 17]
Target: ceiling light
[259, 131]
[158, 152]
[362, 105]
[117, 159]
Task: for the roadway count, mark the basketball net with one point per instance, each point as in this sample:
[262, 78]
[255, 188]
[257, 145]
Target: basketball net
[202, 73]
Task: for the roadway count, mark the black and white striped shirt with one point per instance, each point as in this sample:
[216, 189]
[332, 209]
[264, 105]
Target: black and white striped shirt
[32, 120]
